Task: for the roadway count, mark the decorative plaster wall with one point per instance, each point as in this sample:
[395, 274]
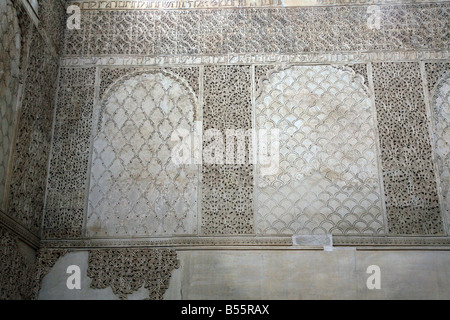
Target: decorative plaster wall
[393, 185]
[29, 68]
[27, 113]
[360, 110]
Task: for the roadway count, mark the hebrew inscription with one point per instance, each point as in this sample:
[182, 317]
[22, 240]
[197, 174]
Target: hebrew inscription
[257, 30]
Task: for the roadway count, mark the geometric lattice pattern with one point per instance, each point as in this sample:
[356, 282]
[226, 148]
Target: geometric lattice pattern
[408, 174]
[327, 181]
[135, 187]
[441, 126]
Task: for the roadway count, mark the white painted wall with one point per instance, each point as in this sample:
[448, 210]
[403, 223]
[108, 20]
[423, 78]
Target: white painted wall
[286, 274]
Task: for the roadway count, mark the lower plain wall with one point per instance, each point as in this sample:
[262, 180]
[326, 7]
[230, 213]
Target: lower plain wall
[279, 274]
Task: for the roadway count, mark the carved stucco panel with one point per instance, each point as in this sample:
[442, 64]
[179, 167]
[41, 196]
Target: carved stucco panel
[227, 189]
[127, 270]
[136, 188]
[34, 130]
[327, 180]
[16, 270]
[412, 202]
[257, 30]
[64, 212]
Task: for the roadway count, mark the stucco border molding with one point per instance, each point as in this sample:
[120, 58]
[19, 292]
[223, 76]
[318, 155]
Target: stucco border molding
[263, 243]
[350, 57]
[21, 232]
[227, 4]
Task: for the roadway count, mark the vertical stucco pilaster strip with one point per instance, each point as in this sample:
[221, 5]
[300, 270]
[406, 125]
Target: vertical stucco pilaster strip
[428, 104]
[200, 118]
[68, 168]
[91, 146]
[254, 141]
[50, 151]
[33, 137]
[26, 31]
[378, 148]
[408, 173]
[227, 205]
[436, 72]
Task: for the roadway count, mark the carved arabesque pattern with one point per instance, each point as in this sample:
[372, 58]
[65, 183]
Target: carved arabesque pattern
[127, 270]
[109, 75]
[32, 145]
[45, 260]
[258, 30]
[327, 181]
[63, 217]
[135, 186]
[409, 182]
[435, 71]
[52, 18]
[227, 189]
[16, 271]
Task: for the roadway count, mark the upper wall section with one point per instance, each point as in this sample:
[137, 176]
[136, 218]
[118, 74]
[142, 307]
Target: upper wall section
[107, 30]
[349, 89]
